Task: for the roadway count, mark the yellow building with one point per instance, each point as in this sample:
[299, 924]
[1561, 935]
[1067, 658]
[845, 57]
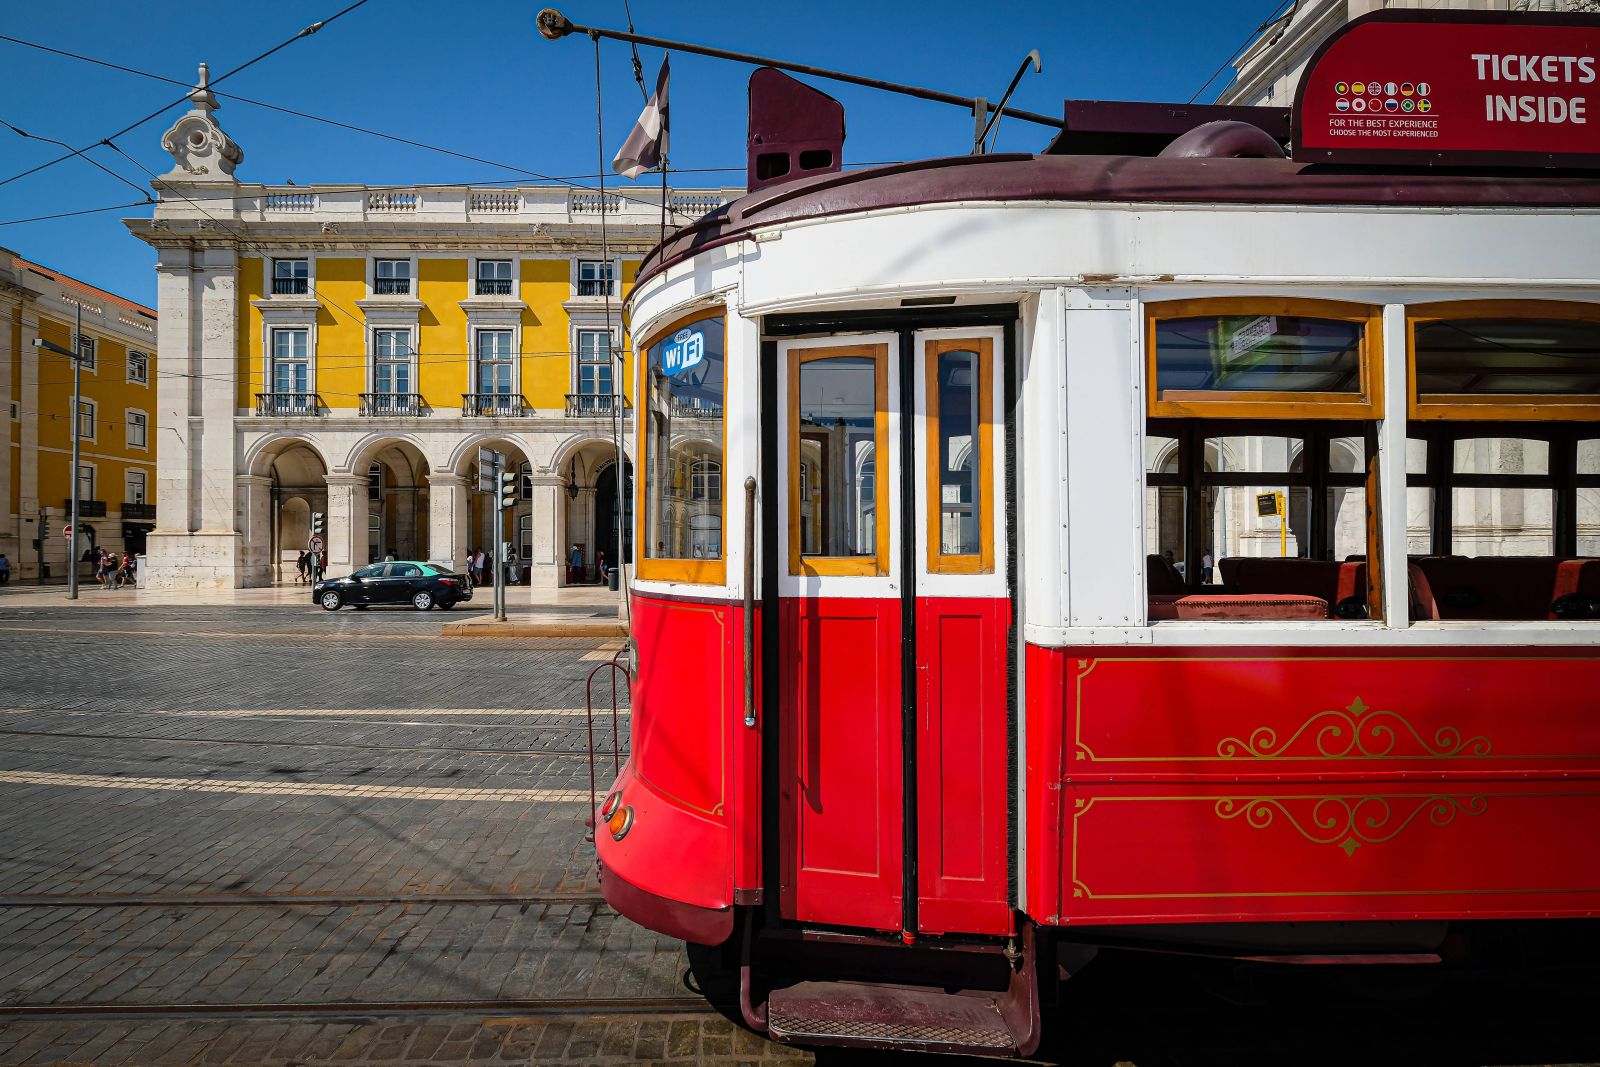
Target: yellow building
[117, 416]
[352, 350]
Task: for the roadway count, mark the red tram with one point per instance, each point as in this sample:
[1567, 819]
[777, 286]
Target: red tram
[1165, 539]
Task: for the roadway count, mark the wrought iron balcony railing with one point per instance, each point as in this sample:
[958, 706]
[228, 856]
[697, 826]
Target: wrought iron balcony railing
[139, 511]
[594, 405]
[494, 405]
[291, 286]
[288, 404]
[493, 287]
[683, 410]
[391, 286]
[381, 404]
[596, 287]
[87, 509]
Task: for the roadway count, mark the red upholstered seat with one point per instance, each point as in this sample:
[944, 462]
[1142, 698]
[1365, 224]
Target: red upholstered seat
[1327, 580]
[1260, 607]
[1492, 587]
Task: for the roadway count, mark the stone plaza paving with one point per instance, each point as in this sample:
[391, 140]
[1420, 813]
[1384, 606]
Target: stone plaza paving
[257, 833]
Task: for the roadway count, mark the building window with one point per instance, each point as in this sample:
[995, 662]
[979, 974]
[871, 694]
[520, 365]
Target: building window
[705, 480]
[291, 366]
[525, 536]
[494, 277]
[291, 277]
[86, 419]
[494, 361]
[85, 481]
[134, 487]
[527, 481]
[138, 429]
[87, 352]
[594, 362]
[391, 370]
[392, 277]
[138, 367]
[375, 483]
[596, 278]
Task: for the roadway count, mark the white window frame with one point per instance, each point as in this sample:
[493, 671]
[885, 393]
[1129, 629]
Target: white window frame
[144, 374]
[92, 469]
[477, 276]
[91, 346]
[272, 358]
[411, 275]
[578, 362]
[128, 481]
[128, 416]
[372, 356]
[271, 267]
[578, 279]
[515, 357]
[94, 417]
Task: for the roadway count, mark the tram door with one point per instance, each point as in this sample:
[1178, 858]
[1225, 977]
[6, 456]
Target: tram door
[894, 608]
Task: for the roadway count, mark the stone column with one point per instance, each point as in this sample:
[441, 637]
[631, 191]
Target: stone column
[546, 570]
[447, 518]
[10, 527]
[28, 455]
[583, 530]
[256, 563]
[346, 536]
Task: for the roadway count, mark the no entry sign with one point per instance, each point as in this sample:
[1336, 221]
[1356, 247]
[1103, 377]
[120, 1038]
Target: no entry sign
[1452, 88]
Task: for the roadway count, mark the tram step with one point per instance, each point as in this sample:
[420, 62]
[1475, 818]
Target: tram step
[861, 1015]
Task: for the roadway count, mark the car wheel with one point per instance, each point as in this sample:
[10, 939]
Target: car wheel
[446, 605]
[330, 601]
[422, 600]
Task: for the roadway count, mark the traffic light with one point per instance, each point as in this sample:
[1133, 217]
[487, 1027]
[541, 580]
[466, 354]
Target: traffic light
[508, 489]
[44, 527]
[316, 524]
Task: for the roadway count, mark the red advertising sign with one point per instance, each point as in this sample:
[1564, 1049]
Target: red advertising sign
[1454, 88]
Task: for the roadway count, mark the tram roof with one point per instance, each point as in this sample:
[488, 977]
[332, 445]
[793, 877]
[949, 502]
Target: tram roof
[1116, 179]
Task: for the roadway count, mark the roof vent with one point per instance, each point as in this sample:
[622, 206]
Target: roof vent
[1224, 139]
[795, 130]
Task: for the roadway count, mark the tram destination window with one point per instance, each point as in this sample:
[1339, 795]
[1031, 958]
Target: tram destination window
[838, 433]
[959, 376]
[682, 442]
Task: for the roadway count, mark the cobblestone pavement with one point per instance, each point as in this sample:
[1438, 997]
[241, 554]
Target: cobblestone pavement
[272, 837]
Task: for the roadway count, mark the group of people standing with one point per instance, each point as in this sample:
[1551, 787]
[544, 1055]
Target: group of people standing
[309, 567]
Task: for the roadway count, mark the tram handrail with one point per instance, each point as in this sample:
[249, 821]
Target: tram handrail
[749, 601]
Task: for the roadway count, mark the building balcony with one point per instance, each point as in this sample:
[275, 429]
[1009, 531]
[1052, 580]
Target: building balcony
[87, 509]
[494, 405]
[291, 286]
[288, 404]
[391, 404]
[493, 287]
[139, 511]
[594, 405]
[596, 287]
[682, 410]
[391, 286]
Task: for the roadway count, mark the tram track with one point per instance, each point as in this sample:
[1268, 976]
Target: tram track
[291, 900]
[309, 745]
[536, 1007]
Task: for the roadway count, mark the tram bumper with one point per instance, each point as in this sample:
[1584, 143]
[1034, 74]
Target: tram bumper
[675, 918]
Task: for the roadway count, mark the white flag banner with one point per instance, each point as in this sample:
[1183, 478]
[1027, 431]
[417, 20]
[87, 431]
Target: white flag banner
[647, 143]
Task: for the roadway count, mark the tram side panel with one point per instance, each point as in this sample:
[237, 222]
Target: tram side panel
[1218, 784]
[674, 868]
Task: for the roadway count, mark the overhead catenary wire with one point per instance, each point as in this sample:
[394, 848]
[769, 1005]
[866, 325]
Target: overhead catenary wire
[307, 32]
[1266, 24]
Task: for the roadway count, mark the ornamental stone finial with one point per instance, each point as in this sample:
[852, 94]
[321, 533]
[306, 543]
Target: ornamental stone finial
[201, 150]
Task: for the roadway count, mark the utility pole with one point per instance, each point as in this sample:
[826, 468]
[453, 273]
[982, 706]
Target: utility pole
[75, 353]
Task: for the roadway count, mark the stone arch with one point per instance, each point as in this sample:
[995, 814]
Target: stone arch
[260, 456]
[359, 458]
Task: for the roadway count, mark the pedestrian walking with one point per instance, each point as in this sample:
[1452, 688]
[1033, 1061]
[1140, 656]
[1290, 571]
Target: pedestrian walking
[318, 563]
[575, 566]
[5, 569]
[600, 567]
[128, 572]
[1205, 568]
[481, 565]
[302, 567]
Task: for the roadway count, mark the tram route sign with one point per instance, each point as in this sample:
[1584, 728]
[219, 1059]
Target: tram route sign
[1454, 88]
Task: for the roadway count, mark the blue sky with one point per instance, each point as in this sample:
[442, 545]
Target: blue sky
[477, 78]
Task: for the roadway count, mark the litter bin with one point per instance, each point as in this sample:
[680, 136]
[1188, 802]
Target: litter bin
[614, 577]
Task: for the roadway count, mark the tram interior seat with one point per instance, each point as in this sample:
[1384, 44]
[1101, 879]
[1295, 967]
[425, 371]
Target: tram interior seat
[1506, 588]
[1235, 607]
[1341, 586]
[1250, 593]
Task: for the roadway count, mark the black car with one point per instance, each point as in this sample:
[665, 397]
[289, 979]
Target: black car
[422, 585]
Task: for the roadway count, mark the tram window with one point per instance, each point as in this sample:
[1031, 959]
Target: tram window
[1419, 500]
[682, 444]
[837, 430]
[1478, 356]
[1588, 502]
[1262, 359]
[960, 399]
[1501, 521]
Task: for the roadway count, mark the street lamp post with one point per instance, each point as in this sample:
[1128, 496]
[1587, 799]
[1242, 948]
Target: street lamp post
[75, 353]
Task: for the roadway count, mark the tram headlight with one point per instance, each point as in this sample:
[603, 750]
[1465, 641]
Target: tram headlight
[609, 808]
[620, 822]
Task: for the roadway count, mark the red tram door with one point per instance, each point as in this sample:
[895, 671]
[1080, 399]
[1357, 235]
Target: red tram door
[894, 611]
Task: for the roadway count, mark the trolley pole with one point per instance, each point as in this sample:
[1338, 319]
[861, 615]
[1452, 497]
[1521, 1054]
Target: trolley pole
[75, 353]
